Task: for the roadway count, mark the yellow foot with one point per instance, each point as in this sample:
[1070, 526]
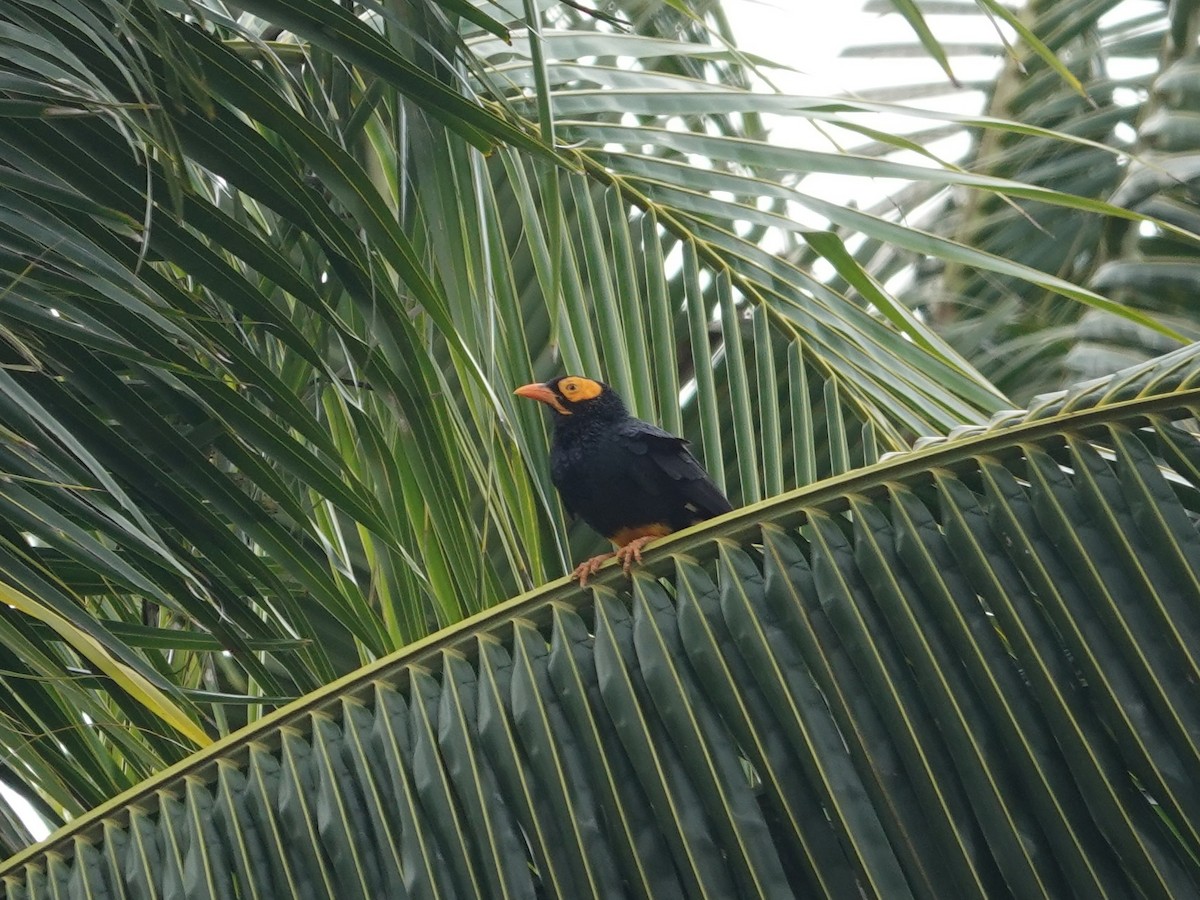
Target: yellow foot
[588, 567]
[632, 552]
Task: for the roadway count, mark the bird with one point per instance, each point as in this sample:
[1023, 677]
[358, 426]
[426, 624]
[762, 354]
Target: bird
[629, 480]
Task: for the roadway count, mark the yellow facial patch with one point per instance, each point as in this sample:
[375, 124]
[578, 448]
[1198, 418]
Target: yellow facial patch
[575, 388]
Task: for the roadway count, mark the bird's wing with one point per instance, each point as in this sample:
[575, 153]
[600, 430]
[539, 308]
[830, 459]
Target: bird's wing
[669, 455]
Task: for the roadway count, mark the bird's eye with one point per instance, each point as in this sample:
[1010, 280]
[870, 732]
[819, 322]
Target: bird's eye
[577, 390]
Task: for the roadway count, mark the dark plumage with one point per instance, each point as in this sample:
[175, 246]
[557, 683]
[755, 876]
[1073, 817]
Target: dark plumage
[629, 480]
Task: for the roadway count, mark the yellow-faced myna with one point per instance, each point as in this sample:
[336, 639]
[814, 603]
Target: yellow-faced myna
[629, 480]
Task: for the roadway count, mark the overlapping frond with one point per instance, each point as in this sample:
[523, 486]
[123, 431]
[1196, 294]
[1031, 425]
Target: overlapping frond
[1130, 60]
[969, 668]
[269, 276]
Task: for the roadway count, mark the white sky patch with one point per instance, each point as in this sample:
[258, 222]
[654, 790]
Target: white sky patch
[1125, 132]
[809, 39]
[805, 37]
[28, 814]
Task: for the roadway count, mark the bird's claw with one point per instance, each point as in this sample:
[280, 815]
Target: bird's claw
[627, 555]
[632, 552]
[588, 567]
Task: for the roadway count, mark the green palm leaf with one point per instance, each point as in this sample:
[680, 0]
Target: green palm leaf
[931, 672]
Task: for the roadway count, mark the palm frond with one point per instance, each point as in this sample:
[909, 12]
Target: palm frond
[969, 665]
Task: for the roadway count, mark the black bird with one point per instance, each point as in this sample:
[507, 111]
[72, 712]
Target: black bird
[629, 480]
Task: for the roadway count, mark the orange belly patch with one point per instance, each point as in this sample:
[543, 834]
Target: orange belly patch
[624, 535]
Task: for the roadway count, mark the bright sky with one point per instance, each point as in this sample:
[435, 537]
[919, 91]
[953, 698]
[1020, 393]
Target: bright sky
[810, 37]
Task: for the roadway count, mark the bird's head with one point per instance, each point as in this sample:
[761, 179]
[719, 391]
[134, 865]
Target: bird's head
[574, 395]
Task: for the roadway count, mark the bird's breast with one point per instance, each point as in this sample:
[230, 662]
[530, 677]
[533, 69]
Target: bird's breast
[596, 479]
[580, 466]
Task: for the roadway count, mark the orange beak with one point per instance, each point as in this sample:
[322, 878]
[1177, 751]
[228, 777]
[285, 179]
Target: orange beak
[542, 394]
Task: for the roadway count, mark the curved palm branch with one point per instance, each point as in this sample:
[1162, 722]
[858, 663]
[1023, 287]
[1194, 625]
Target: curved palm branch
[970, 665]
